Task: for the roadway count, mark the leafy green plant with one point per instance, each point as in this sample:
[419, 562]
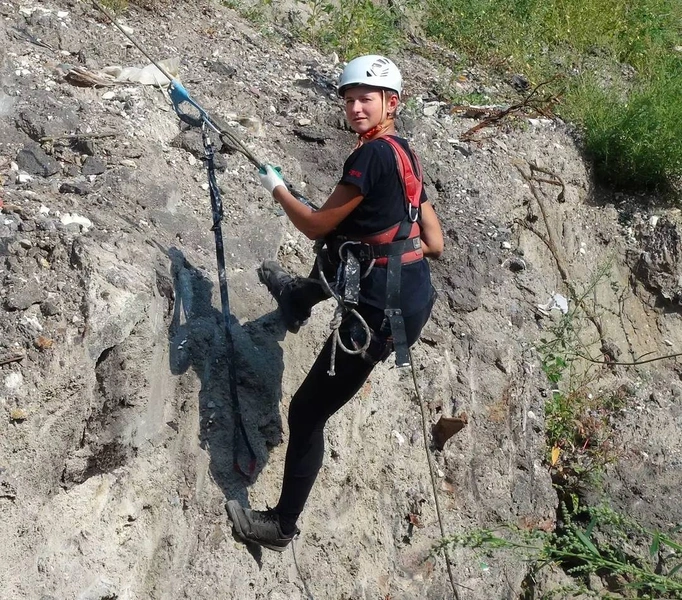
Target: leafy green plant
[635, 141]
[579, 415]
[352, 27]
[115, 6]
[591, 541]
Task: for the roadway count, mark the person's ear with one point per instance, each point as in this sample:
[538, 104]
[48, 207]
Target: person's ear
[392, 104]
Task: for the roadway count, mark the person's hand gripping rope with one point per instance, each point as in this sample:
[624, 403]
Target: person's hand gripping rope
[271, 177]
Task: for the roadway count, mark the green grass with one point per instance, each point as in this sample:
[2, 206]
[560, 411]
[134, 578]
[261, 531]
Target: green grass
[115, 6]
[630, 123]
[618, 72]
[636, 141]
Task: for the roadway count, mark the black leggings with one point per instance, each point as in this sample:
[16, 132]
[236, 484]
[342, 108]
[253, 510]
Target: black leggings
[318, 398]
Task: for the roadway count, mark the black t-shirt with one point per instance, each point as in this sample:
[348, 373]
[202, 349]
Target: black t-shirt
[372, 167]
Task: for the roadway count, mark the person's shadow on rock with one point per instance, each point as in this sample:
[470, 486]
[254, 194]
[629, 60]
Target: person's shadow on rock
[197, 340]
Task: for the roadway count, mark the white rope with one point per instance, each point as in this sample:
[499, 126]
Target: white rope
[341, 311]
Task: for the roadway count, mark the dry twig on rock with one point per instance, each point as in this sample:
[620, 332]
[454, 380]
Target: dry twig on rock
[531, 101]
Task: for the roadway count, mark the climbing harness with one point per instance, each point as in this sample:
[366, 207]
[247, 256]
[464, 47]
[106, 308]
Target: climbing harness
[398, 245]
[342, 310]
[217, 210]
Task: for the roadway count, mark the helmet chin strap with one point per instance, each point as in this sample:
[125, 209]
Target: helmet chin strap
[378, 130]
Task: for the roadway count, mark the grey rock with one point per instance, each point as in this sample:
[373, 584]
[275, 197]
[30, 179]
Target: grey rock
[221, 68]
[47, 225]
[49, 308]
[81, 188]
[312, 134]
[13, 264]
[62, 120]
[463, 150]
[466, 279]
[519, 82]
[33, 159]
[658, 263]
[27, 226]
[22, 298]
[93, 166]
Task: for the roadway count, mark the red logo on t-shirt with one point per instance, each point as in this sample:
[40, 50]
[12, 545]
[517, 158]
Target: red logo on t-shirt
[354, 173]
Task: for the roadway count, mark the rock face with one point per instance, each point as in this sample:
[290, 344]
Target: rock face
[117, 432]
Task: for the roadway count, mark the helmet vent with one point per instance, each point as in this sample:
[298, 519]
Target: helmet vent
[379, 69]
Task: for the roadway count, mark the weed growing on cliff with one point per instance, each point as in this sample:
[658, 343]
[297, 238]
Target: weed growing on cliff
[115, 6]
[635, 141]
[591, 541]
[351, 27]
[579, 415]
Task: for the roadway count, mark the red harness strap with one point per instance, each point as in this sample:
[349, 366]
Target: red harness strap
[412, 184]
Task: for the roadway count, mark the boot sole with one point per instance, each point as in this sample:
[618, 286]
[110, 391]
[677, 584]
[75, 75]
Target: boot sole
[236, 512]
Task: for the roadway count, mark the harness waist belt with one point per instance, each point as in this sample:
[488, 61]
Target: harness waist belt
[409, 250]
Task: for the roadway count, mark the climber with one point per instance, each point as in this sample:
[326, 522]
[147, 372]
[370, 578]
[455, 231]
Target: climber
[378, 218]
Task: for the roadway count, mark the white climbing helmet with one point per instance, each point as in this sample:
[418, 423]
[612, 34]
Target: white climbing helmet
[372, 70]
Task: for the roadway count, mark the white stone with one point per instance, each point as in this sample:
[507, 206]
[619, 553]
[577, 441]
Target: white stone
[303, 122]
[398, 436]
[69, 218]
[431, 108]
[32, 322]
[108, 95]
[14, 381]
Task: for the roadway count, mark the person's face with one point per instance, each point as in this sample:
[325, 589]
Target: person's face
[365, 107]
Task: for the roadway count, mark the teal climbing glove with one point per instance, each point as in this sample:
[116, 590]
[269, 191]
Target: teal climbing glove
[270, 177]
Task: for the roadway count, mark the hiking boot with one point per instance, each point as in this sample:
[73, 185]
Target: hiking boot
[259, 526]
[279, 284]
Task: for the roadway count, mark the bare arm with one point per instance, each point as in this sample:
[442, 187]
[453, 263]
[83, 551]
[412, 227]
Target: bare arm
[431, 233]
[317, 224]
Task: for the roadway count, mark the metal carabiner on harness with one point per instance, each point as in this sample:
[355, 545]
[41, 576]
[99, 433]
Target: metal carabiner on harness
[412, 217]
